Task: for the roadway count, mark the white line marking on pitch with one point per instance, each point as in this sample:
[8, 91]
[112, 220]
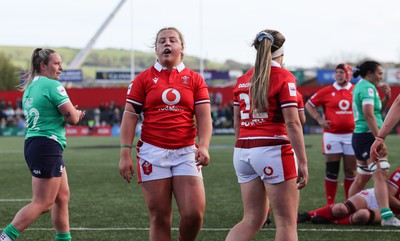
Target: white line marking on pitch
[15, 200]
[226, 229]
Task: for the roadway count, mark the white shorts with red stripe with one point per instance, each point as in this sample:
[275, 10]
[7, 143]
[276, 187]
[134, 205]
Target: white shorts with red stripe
[273, 164]
[337, 143]
[154, 163]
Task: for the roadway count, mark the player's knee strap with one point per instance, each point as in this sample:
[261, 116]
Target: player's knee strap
[371, 216]
[350, 206]
[332, 170]
[383, 163]
[363, 169]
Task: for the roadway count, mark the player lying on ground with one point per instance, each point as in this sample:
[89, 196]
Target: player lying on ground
[360, 209]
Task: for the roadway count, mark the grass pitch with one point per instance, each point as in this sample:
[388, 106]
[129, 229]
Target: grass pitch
[104, 207]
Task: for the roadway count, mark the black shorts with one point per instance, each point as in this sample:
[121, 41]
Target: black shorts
[44, 157]
[362, 143]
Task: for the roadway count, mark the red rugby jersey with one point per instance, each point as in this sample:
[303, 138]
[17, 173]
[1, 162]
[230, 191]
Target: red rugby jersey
[168, 100]
[336, 102]
[269, 124]
[395, 181]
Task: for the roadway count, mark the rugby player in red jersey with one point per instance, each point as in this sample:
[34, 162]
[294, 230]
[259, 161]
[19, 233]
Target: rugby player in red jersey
[175, 104]
[269, 133]
[338, 125]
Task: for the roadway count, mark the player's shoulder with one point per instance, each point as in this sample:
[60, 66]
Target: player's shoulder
[244, 80]
[327, 89]
[281, 74]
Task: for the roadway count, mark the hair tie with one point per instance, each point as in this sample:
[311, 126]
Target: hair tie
[263, 35]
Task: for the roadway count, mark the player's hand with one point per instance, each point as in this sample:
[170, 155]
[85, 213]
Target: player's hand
[202, 157]
[126, 169]
[386, 89]
[375, 149]
[325, 124]
[302, 178]
[81, 113]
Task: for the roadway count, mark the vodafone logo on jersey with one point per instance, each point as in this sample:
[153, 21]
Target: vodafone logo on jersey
[171, 96]
[344, 104]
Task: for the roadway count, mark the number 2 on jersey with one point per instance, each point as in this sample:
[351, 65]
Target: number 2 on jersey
[245, 114]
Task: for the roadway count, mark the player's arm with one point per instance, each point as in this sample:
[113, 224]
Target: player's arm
[71, 115]
[127, 135]
[204, 132]
[391, 119]
[302, 116]
[300, 105]
[316, 116]
[295, 133]
[394, 203]
[236, 120]
[368, 110]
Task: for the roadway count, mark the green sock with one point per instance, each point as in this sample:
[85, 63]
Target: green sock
[11, 231]
[386, 213]
[63, 236]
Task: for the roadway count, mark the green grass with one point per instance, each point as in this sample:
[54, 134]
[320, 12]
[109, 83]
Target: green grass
[104, 207]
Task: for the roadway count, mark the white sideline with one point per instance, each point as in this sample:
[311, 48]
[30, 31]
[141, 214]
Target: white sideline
[15, 200]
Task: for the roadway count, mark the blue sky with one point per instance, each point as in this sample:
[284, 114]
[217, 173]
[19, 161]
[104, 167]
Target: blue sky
[316, 31]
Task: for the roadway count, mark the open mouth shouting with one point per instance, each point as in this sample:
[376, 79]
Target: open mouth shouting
[167, 51]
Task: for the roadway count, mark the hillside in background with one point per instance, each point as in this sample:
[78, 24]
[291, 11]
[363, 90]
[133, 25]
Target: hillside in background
[110, 59]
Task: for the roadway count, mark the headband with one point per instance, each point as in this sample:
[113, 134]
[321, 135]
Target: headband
[263, 35]
[278, 52]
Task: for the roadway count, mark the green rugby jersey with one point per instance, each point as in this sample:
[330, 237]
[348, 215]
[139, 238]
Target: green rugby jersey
[40, 103]
[365, 92]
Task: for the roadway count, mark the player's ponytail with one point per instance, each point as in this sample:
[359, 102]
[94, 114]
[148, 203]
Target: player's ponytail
[269, 44]
[39, 55]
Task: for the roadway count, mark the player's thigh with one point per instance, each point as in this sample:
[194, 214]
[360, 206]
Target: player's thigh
[358, 201]
[255, 201]
[158, 194]
[283, 197]
[63, 192]
[335, 157]
[45, 190]
[350, 165]
[196, 201]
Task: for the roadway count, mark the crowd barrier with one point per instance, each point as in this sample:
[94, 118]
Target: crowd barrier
[70, 131]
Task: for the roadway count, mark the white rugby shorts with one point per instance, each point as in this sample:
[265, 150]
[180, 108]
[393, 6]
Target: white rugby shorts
[154, 163]
[369, 196]
[337, 143]
[273, 164]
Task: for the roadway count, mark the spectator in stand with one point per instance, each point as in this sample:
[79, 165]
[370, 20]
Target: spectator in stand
[48, 109]
[169, 163]
[360, 209]
[336, 102]
[269, 133]
[367, 107]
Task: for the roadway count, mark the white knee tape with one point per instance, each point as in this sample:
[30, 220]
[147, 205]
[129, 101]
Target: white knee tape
[383, 163]
[363, 170]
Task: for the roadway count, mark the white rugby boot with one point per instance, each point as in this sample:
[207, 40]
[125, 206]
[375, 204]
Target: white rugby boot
[391, 222]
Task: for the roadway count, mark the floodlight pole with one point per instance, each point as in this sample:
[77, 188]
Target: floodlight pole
[81, 56]
[201, 39]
